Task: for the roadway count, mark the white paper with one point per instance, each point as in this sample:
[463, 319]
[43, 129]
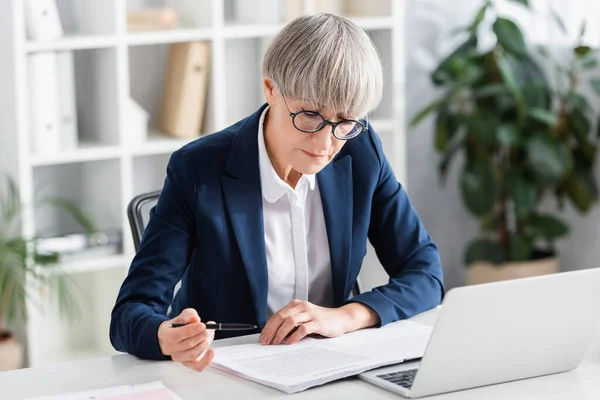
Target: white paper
[147, 391]
[313, 362]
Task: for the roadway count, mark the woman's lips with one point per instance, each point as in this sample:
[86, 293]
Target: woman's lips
[315, 156]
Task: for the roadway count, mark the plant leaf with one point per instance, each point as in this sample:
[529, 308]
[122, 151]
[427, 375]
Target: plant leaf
[582, 190]
[544, 116]
[547, 227]
[507, 134]
[523, 194]
[478, 186]
[509, 77]
[547, 158]
[558, 21]
[523, 2]
[425, 111]
[596, 85]
[580, 124]
[484, 250]
[520, 248]
[478, 18]
[589, 64]
[582, 50]
[483, 126]
[493, 89]
[455, 144]
[445, 128]
[73, 210]
[510, 36]
[444, 72]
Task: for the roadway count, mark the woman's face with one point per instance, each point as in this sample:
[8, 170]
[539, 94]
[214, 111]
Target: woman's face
[307, 153]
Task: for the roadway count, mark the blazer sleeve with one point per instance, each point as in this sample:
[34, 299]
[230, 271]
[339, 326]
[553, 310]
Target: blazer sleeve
[404, 248]
[159, 264]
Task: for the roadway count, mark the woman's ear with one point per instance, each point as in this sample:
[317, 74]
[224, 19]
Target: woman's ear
[269, 91]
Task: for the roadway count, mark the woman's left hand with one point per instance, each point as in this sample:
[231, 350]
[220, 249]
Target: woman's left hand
[307, 318]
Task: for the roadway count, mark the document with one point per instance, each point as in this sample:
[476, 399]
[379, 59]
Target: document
[313, 362]
[147, 391]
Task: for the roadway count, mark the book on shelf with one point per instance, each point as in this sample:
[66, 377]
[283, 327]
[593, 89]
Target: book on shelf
[67, 104]
[264, 11]
[43, 102]
[137, 121]
[42, 20]
[152, 19]
[185, 89]
[77, 243]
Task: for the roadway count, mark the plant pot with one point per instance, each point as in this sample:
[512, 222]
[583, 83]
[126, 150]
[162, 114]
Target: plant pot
[11, 352]
[484, 272]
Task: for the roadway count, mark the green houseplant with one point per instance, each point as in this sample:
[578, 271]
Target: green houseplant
[524, 137]
[25, 273]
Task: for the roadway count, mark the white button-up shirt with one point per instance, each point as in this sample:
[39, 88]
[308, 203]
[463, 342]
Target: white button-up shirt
[297, 248]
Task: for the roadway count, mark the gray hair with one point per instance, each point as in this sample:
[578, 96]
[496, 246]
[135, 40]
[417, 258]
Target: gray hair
[328, 62]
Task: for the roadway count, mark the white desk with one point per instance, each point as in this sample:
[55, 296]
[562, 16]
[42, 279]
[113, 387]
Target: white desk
[582, 383]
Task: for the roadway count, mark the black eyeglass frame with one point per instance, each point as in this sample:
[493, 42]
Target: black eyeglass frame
[325, 123]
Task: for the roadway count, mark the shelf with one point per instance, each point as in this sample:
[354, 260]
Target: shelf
[158, 143]
[86, 152]
[170, 36]
[373, 23]
[96, 264]
[74, 42]
[241, 31]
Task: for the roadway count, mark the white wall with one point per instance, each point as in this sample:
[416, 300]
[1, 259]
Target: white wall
[428, 39]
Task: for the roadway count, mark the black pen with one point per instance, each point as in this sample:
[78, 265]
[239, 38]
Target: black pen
[223, 327]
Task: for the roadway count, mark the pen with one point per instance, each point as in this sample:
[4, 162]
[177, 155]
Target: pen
[223, 327]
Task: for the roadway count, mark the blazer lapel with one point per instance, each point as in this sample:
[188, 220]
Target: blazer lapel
[242, 192]
[335, 185]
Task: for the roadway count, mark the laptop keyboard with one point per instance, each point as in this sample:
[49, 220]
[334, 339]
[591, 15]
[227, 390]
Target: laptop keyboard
[401, 378]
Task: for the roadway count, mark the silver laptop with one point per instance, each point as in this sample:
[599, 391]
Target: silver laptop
[500, 332]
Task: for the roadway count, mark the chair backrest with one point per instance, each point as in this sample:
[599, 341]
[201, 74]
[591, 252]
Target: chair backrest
[138, 212]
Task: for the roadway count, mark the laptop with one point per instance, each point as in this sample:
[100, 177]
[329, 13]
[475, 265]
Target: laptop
[500, 332]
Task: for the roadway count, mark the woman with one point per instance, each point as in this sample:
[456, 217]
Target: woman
[266, 222]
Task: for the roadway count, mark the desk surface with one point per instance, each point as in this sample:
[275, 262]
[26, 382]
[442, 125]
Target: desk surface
[582, 383]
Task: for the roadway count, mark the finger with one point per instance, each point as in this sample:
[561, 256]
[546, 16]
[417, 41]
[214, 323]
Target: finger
[290, 324]
[183, 333]
[201, 364]
[187, 316]
[192, 354]
[302, 331]
[190, 343]
[275, 322]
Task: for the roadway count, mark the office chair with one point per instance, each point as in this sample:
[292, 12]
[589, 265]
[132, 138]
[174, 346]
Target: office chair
[138, 212]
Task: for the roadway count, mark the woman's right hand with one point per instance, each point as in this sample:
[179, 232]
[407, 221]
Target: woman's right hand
[188, 344]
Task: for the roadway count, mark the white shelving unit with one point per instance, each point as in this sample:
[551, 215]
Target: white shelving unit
[109, 168]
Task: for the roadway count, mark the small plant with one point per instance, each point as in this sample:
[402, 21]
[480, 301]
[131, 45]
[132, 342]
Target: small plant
[523, 137]
[25, 272]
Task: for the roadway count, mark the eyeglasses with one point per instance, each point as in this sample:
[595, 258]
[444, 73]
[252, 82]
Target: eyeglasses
[312, 121]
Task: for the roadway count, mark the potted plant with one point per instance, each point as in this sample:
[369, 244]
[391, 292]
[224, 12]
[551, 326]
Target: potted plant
[25, 272]
[524, 138]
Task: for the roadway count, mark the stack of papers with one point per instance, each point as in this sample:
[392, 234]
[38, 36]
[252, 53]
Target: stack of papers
[146, 391]
[313, 362]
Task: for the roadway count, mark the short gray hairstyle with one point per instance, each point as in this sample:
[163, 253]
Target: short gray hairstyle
[328, 62]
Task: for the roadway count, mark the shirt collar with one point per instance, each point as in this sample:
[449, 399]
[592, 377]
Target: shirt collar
[272, 186]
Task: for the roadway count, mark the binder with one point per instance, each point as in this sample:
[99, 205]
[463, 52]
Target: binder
[185, 89]
[42, 20]
[43, 104]
[67, 102]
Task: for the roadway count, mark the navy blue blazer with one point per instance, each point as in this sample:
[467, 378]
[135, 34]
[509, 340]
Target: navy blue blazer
[207, 230]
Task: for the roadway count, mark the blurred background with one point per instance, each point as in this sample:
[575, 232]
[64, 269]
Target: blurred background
[489, 118]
